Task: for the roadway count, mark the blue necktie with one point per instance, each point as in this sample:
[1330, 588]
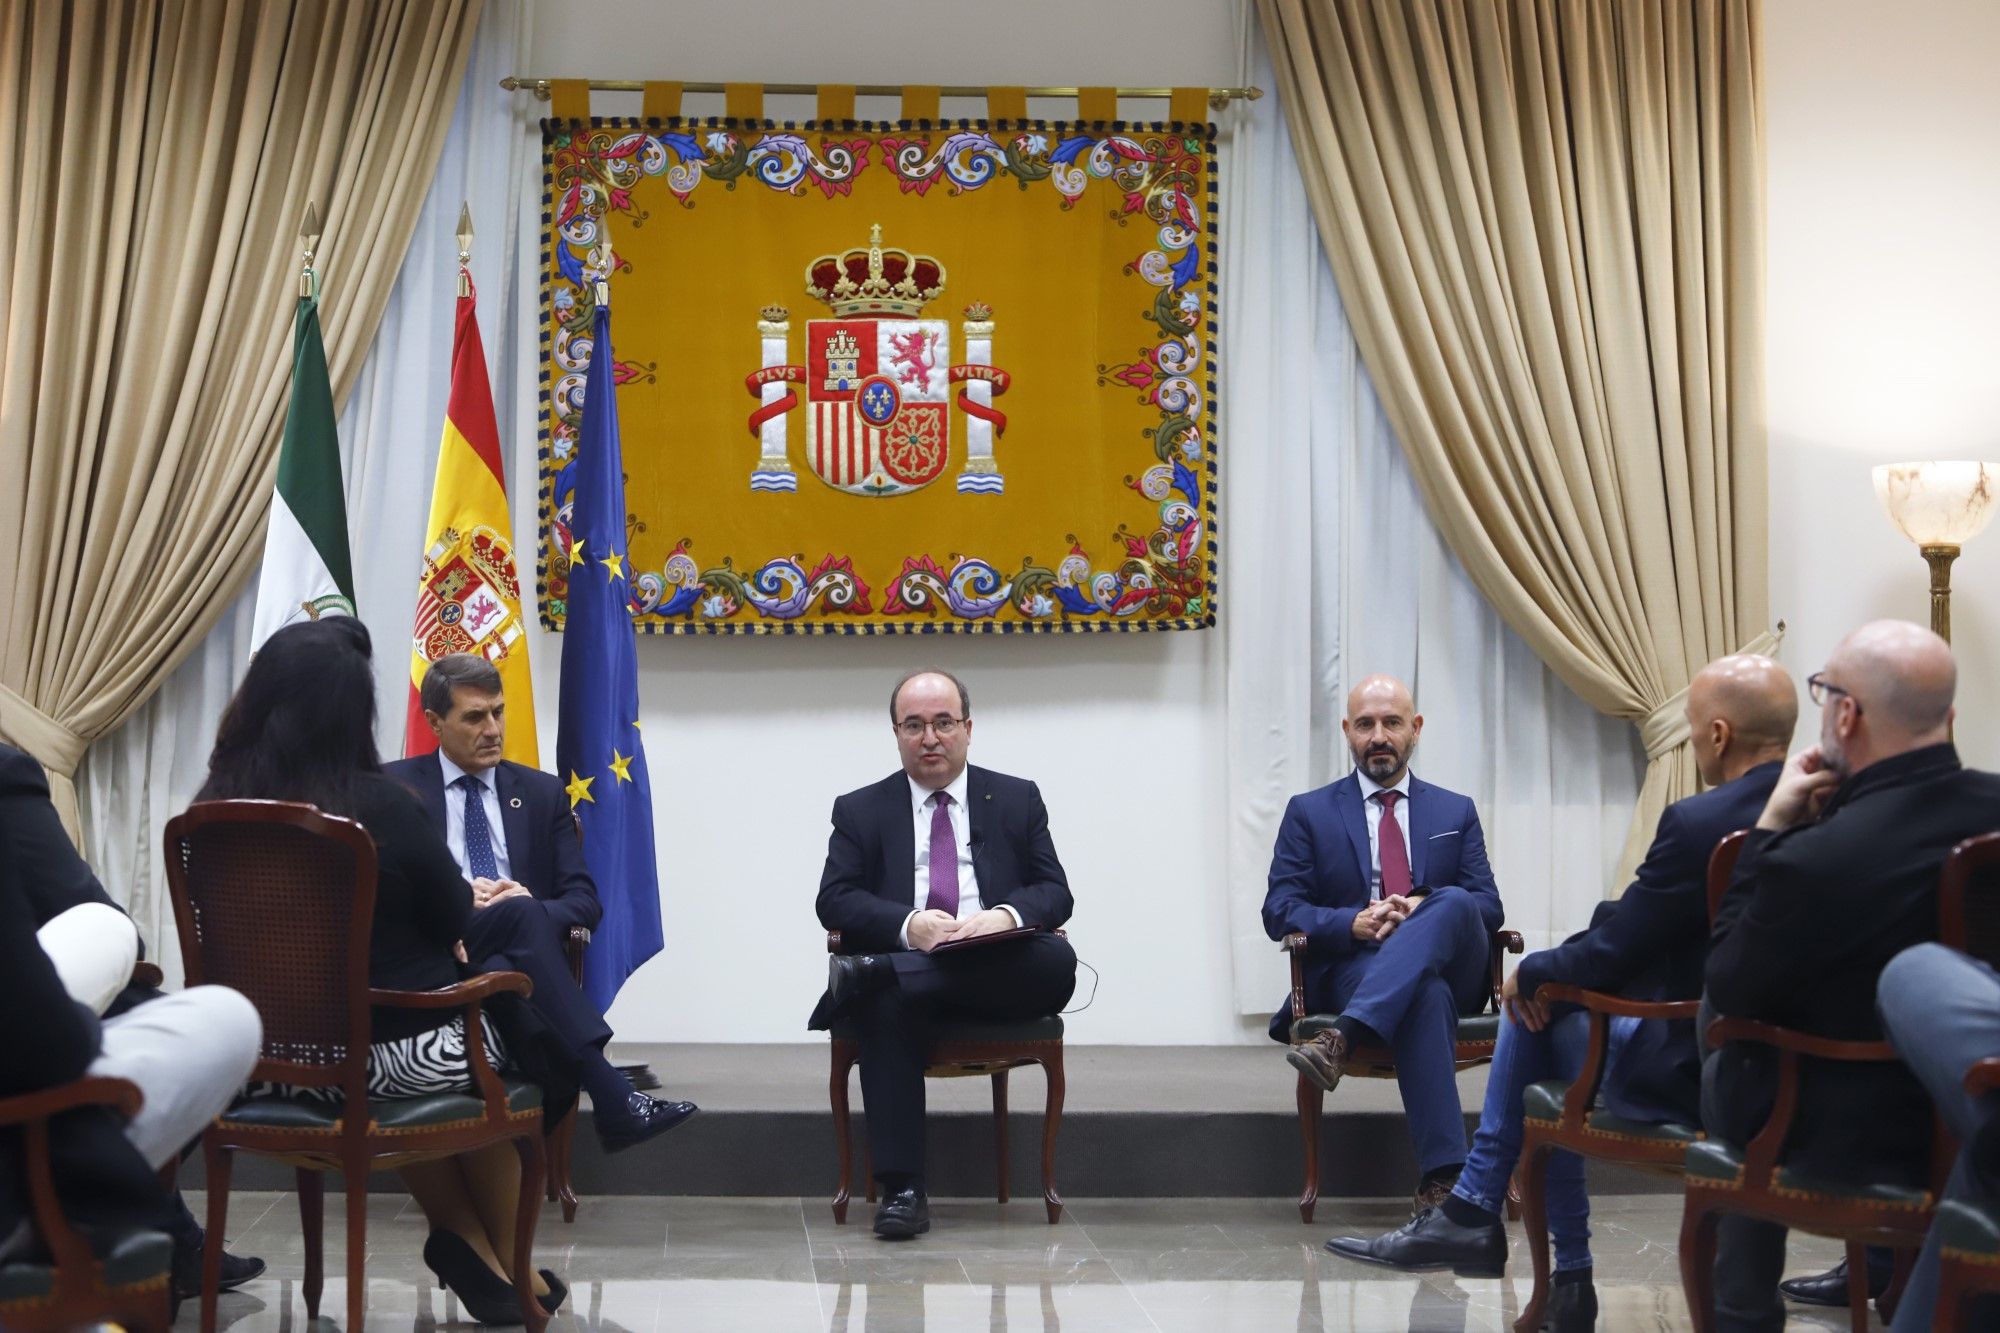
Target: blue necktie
[478, 833]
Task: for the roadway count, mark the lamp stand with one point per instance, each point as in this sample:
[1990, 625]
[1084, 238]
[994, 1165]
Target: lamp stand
[1939, 558]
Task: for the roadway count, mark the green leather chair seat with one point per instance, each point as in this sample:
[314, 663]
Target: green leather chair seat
[1475, 1027]
[1028, 1029]
[1969, 1227]
[1544, 1101]
[1713, 1160]
[130, 1258]
[440, 1108]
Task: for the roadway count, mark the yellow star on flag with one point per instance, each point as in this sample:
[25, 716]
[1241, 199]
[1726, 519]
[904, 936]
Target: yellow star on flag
[621, 764]
[635, 725]
[579, 790]
[613, 566]
[576, 553]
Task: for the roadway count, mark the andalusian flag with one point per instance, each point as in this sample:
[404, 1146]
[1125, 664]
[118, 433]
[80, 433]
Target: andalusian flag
[306, 570]
[469, 600]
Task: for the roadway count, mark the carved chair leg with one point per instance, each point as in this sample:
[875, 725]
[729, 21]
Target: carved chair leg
[1531, 1178]
[555, 1168]
[563, 1156]
[1857, 1286]
[219, 1161]
[1697, 1254]
[534, 1169]
[312, 1227]
[1952, 1292]
[1052, 1069]
[1514, 1196]
[843, 1061]
[1000, 1133]
[1311, 1102]
[1899, 1280]
[357, 1243]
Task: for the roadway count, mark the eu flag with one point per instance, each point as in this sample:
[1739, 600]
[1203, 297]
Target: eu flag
[599, 753]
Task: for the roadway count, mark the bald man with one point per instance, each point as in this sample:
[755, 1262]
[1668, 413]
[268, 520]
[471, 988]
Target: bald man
[1648, 944]
[1387, 878]
[1840, 876]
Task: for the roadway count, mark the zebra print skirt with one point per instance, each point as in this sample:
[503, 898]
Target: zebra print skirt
[417, 1066]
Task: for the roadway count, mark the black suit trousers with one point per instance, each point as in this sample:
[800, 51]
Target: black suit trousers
[517, 935]
[1020, 979]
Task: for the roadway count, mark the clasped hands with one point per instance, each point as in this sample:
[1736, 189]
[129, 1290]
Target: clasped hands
[931, 927]
[1375, 922]
[486, 892]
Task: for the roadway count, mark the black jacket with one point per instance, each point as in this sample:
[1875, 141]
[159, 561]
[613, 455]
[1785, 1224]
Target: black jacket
[868, 887]
[1651, 944]
[542, 847]
[422, 905]
[1810, 920]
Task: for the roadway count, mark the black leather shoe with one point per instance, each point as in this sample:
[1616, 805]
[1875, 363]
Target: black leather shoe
[1431, 1240]
[849, 975]
[641, 1118]
[558, 1292]
[1572, 1308]
[1830, 1287]
[236, 1270]
[904, 1213]
[483, 1293]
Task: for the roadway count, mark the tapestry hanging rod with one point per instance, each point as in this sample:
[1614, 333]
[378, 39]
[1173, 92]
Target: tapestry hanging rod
[541, 88]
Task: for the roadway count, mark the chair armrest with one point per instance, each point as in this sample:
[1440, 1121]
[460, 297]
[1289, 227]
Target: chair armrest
[1510, 940]
[833, 941]
[574, 943]
[121, 1095]
[32, 1110]
[1760, 1158]
[481, 987]
[1504, 942]
[1982, 1078]
[148, 974]
[1583, 1089]
[1294, 946]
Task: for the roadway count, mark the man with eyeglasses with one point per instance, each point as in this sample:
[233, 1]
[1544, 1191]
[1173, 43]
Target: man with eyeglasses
[939, 854]
[1839, 876]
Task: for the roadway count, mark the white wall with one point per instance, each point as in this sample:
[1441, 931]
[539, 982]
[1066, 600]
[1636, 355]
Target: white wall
[750, 740]
[1884, 152]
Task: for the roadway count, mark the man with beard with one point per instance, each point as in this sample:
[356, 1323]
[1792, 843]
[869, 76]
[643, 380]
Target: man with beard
[1840, 875]
[1387, 878]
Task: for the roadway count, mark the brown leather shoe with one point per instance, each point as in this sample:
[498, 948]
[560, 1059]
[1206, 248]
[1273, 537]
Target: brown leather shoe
[1432, 1195]
[1322, 1059]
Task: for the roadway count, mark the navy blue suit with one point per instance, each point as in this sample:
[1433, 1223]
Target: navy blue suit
[545, 857]
[1412, 987]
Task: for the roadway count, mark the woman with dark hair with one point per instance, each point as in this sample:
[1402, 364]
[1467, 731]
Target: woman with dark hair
[302, 728]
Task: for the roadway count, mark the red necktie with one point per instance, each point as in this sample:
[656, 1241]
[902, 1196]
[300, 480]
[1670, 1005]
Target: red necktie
[1390, 848]
[944, 860]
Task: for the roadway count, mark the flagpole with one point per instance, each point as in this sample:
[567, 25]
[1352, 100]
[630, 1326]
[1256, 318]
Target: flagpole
[464, 249]
[309, 234]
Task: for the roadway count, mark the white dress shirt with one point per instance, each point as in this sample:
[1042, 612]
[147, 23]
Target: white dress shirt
[922, 811]
[1373, 807]
[454, 817]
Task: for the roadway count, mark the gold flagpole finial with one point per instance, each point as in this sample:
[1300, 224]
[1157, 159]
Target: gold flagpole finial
[309, 234]
[601, 260]
[464, 248]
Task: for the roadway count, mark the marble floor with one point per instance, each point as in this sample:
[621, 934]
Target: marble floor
[1160, 1265]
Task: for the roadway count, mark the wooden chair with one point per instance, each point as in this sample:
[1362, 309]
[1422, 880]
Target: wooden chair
[1722, 1178]
[276, 900]
[1476, 1035]
[561, 1186]
[1968, 1233]
[963, 1050]
[129, 1285]
[1565, 1115]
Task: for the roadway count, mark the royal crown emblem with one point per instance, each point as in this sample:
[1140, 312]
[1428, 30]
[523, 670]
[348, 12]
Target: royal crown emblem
[878, 379]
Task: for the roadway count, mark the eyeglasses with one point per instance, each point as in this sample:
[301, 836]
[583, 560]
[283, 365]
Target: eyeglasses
[1820, 688]
[945, 727]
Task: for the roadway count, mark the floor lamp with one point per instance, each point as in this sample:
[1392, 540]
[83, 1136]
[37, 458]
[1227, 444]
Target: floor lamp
[1940, 507]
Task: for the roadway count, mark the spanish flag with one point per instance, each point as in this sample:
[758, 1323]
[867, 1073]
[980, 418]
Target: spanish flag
[469, 600]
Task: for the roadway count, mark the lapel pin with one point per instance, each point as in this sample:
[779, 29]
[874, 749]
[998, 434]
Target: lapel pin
[514, 802]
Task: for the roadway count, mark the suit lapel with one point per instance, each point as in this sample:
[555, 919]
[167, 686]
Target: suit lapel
[979, 816]
[1347, 803]
[899, 841]
[431, 790]
[513, 821]
[1420, 832]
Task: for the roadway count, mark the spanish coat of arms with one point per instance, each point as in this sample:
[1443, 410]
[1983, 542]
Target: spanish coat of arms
[460, 608]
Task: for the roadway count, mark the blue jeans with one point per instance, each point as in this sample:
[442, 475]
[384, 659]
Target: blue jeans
[1521, 1057]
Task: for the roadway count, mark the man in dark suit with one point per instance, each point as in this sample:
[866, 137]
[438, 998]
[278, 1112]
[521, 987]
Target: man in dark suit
[188, 1052]
[509, 828]
[937, 854]
[1387, 877]
[1839, 877]
[1647, 945]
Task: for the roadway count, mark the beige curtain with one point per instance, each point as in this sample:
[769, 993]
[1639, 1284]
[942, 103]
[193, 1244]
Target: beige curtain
[1547, 222]
[162, 154]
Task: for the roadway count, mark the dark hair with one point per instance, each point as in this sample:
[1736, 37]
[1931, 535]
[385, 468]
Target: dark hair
[302, 724]
[964, 699]
[452, 670]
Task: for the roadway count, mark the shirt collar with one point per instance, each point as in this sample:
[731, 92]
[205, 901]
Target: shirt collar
[920, 795]
[452, 773]
[1370, 786]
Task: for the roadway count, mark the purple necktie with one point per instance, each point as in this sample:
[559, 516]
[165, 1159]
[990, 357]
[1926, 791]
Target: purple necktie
[1394, 856]
[944, 860]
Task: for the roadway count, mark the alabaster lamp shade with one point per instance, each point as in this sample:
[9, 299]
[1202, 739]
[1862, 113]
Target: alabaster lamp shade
[1940, 507]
